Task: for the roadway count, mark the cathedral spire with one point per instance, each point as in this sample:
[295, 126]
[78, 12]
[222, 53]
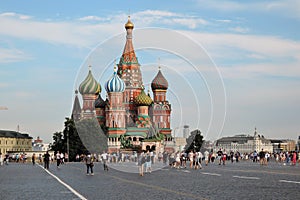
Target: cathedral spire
[128, 67]
[76, 112]
[128, 55]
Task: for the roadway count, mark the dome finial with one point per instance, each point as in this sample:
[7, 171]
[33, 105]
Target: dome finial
[129, 24]
[90, 67]
[115, 66]
[159, 67]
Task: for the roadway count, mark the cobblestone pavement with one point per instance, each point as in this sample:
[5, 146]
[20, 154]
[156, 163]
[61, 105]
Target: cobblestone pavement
[243, 180]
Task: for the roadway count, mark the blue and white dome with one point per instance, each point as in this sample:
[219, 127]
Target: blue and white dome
[115, 83]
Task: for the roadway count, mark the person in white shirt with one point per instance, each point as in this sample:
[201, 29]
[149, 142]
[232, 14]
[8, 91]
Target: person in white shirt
[104, 157]
[206, 157]
[57, 159]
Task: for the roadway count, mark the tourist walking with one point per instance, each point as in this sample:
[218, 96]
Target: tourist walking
[46, 160]
[141, 163]
[6, 159]
[198, 159]
[148, 162]
[89, 164]
[1, 159]
[104, 158]
[206, 157]
[33, 159]
[294, 158]
[254, 156]
[220, 156]
[262, 157]
[57, 159]
[191, 158]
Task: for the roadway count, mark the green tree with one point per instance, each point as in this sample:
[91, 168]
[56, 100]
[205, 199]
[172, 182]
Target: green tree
[194, 141]
[57, 141]
[71, 138]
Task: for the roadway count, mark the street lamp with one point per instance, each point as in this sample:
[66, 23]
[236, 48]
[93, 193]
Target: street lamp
[68, 148]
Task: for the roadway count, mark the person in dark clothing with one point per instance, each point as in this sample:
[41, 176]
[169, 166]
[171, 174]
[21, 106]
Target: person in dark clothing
[33, 159]
[262, 158]
[220, 156]
[89, 164]
[46, 160]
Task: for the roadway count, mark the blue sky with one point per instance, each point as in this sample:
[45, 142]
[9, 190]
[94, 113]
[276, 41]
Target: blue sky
[255, 45]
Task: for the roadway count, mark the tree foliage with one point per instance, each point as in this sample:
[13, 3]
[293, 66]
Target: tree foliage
[70, 135]
[194, 141]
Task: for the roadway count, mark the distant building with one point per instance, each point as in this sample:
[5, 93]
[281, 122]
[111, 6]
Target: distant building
[281, 145]
[244, 143]
[186, 131]
[38, 145]
[12, 141]
[180, 143]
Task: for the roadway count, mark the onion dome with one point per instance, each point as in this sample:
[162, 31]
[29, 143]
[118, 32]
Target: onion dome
[89, 85]
[143, 99]
[159, 82]
[115, 83]
[100, 103]
[129, 24]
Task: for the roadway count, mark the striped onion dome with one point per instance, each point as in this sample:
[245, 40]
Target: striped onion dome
[89, 85]
[115, 83]
[143, 99]
[159, 82]
[100, 103]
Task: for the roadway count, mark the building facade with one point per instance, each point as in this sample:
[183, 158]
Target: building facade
[39, 145]
[127, 112]
[244, 143]
[12, 141]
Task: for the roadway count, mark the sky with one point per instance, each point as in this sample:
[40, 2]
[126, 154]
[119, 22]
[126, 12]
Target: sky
[231, 65]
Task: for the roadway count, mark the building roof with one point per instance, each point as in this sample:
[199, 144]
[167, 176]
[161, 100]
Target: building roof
[14, 134]
[76, 105]
[143, 99]
[89, 85]
[115, 83]
[159, 82]
[235, 139]
[100, 103]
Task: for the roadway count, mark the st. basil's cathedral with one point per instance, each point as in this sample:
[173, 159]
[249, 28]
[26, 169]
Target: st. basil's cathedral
[128, 113]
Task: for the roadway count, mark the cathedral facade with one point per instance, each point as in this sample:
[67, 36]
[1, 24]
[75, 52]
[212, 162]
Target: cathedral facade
[127, 113]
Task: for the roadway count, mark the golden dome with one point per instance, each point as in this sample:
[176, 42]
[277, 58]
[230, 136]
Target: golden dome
[129, 24]
[142, 99]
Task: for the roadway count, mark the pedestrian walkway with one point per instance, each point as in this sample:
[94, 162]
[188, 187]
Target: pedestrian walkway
[132, 167]
[25, 181]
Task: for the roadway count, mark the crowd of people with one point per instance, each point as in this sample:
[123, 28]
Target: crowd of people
[145, 159]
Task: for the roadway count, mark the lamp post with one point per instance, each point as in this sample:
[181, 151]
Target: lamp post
[68, 148]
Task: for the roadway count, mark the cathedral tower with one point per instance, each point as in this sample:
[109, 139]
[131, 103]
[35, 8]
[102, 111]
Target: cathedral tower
[115, 111]
[89, 89]
[161, 109]
[129, 71]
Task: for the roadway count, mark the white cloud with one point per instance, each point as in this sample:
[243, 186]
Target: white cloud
[4, 85]
[16, 15]
[263, 45]
[239, 29]
[224, 20]
[90, 18]
[290, 8]
[81, 35]
[86, 35]
[13, 55]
